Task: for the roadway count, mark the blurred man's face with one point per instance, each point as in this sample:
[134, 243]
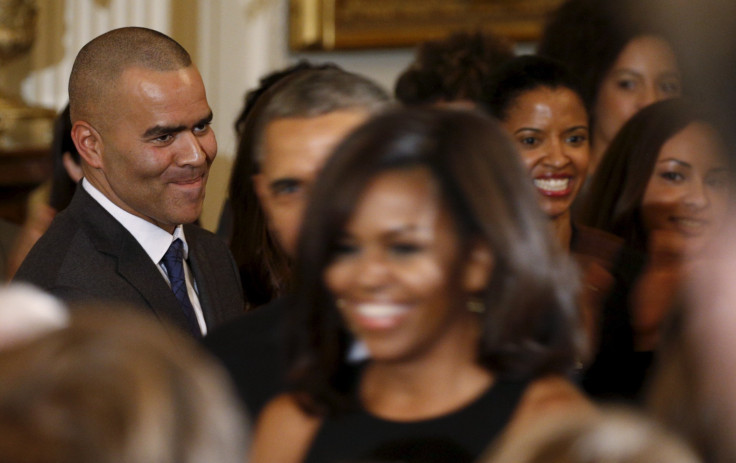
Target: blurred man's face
[294, 150]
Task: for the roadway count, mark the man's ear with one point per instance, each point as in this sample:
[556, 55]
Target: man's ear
[478, 268]
[89, 143]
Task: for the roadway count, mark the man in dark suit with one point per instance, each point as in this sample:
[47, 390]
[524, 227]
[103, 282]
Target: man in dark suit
[141, 124]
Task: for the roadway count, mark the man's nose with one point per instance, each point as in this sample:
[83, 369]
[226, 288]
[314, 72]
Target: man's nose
[191, 152]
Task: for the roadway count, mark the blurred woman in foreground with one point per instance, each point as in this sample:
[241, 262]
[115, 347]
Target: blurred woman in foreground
[423, 241]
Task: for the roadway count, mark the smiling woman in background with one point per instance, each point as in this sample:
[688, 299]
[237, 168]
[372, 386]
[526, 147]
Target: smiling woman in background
[423, 240]
[663, 186]
[540, 104]
[665, 178]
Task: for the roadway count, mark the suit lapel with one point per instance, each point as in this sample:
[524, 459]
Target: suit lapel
[135, 267]
[133, 264]
[205, 276]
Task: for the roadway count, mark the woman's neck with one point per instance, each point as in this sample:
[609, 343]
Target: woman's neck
[427, 386]
[562, 228]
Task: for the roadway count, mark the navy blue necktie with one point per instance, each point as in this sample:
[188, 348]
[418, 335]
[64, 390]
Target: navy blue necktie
[173, 261]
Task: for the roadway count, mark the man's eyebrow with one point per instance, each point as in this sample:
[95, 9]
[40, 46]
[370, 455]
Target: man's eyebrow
[205, 120]
[158, 130]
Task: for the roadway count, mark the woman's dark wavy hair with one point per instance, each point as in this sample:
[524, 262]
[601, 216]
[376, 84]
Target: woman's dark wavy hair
[589, 35]
[454, 68]
[613, 202]
[530, 323]
[523, 74]
[264, 267]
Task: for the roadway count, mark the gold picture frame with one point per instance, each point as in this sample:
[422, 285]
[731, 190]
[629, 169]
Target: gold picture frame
[348, 24]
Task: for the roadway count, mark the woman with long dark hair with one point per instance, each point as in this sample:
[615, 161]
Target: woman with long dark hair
[423, 241]
[662, 186]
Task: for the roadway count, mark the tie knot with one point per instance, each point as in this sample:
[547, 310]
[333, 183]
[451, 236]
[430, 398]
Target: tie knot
[175, 251]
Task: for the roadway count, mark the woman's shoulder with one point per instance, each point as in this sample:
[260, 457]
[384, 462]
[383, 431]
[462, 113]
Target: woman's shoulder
[548, 396]
[554, 391]
[282, 421]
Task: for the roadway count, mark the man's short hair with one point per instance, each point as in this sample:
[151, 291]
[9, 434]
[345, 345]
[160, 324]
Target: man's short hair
[101, 61]
[315, 92]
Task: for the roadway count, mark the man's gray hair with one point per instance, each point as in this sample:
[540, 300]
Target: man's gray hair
[315, 92]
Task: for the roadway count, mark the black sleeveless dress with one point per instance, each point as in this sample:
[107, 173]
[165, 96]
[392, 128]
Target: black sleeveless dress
[460, 436]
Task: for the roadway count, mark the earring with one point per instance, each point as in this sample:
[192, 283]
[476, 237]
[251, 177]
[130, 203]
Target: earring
[475, 305]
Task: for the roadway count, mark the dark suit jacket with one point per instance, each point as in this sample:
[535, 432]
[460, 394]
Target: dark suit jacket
[252, 348]
[88, 255]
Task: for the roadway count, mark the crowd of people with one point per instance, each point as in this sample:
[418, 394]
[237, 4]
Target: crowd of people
[513, 259]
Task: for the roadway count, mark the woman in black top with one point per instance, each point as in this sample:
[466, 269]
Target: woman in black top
[423, 241]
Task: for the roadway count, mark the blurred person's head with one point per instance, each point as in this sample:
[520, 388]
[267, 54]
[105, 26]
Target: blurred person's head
[453, 70]
[27, 312]
[264, 267]
[300, 124]
[609, 436]
[424, 225]
[288, 127]
[540, 104]
[623, 61]
[115, 386]
[666, 171]
[644, 72]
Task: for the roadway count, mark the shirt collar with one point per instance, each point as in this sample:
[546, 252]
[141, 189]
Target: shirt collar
[154, 240]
